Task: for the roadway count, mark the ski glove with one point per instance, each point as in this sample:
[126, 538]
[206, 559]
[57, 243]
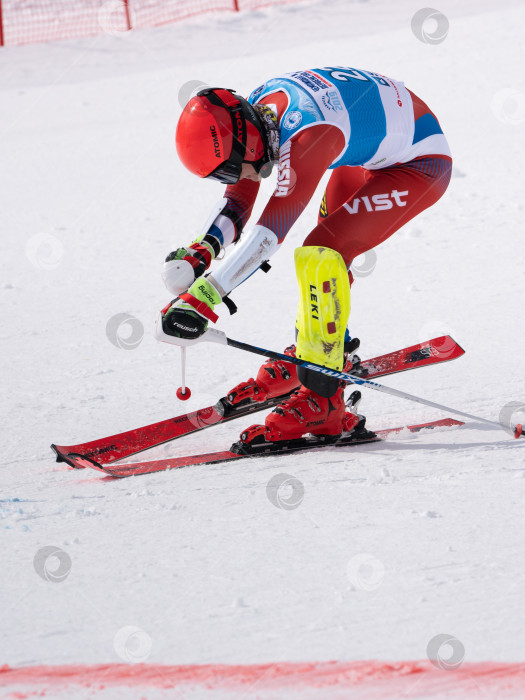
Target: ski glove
[188, 316]
[184, 265]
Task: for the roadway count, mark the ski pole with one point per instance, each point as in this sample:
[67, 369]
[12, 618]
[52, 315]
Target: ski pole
[351, 379]
[183, 392]
[214, 335]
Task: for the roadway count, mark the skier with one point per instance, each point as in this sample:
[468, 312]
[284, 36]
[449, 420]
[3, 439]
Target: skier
[389, 161]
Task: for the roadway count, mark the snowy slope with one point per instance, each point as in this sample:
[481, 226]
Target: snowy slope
[393, 543]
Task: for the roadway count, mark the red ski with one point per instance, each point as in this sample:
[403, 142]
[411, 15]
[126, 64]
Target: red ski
[122, 445]
[237, 451]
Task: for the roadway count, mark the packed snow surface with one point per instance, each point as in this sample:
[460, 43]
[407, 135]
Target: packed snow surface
[391, 544]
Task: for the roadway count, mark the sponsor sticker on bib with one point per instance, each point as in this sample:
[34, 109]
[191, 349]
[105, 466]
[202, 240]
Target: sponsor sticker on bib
[292, 120]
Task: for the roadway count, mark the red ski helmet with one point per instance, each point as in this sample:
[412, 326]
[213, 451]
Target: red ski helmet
[218, 130]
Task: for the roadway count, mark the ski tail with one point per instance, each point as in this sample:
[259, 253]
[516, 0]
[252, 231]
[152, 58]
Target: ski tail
[435, 351]
[77, 461]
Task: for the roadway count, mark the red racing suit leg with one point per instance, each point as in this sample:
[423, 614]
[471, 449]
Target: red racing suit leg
[362, 208]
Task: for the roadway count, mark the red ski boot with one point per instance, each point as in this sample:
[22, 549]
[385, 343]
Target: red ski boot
[279, 378]
[307, 412]
[289, 426]
[304, 412]
[275, 378]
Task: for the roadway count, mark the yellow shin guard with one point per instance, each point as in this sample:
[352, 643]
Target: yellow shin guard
[324, 306]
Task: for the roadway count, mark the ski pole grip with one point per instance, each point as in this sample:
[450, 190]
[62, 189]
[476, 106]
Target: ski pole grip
[212, 335]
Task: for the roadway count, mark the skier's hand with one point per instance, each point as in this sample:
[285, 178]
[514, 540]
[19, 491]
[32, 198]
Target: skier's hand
[188, 316]
[184, 265]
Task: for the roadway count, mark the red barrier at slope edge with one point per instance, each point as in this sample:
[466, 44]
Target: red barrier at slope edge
[29, 21]
[373, 679]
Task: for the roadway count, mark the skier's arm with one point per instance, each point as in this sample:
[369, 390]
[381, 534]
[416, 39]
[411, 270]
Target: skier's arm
[301, 167]
[222, 228]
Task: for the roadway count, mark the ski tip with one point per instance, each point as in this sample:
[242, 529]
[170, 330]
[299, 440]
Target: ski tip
[57, 453]
[76, 461]
[518, 430]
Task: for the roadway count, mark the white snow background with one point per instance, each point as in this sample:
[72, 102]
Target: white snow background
[393, 543]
